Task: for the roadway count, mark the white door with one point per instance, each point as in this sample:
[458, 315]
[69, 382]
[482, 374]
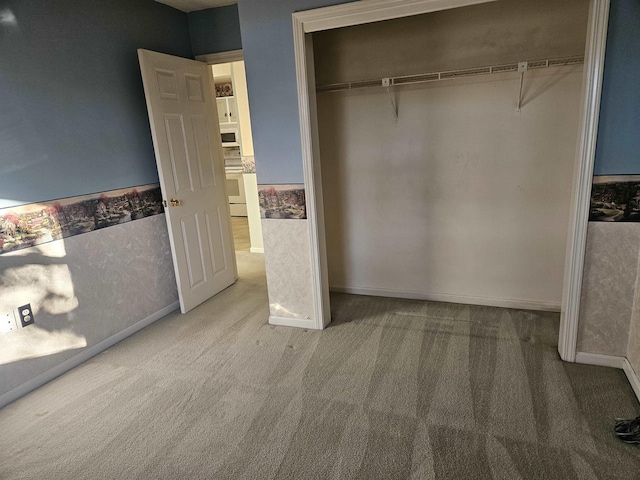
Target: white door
[186, 139]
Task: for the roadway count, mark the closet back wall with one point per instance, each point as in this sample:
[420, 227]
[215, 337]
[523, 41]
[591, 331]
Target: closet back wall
[461, 198]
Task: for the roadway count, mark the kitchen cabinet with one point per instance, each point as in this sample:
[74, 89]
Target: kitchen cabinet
[227, 110]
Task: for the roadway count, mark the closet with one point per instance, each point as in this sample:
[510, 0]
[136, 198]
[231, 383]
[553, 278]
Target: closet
[447, 146]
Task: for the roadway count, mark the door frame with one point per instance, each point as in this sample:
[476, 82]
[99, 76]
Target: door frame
[365, 11]
[221, 57]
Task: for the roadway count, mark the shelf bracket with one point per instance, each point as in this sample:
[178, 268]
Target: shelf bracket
[386, 82]
[522, 67]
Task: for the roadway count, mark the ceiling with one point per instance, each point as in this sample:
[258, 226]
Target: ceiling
[192, 5]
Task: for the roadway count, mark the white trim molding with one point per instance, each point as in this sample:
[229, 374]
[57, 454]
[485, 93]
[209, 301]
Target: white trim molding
[614, 362]
[357, 13]
[366, 11]
[293, 322]
[445, 297]
[583, 178]
[632, 377]
[600, 360]
[256, 250]
[221, 57]
[63, 367]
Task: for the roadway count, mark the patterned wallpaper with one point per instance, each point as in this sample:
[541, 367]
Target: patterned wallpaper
[615, 199]
[36, 223]
[282, 201]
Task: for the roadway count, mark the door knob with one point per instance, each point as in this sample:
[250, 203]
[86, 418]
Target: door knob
[175, 202]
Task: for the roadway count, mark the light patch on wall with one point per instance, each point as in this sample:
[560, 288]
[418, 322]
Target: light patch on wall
[280, 311]
[8, 19]
[38, 342]
[38, 276]
[44, 282]
[8, 202]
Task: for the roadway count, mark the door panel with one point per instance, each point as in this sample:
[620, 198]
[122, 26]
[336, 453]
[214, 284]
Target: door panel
[195, 89]
[167, 87]
[178, 148]
[193, 251]
[214, 221]
[186, 138]
[201, 134]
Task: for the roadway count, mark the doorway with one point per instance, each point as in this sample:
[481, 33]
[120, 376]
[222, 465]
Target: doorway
[234, 117]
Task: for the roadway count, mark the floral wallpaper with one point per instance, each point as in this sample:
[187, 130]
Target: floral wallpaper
[282, 201]
[615, 199]
[36, 223]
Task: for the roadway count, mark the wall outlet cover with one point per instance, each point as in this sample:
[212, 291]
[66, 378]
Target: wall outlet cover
[26, 315]
[8, 322]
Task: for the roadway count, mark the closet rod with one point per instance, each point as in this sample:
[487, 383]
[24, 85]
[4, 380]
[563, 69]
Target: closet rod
[437, 76]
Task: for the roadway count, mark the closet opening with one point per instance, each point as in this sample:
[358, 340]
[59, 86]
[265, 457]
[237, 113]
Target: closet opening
[440, 150]
[447, 143]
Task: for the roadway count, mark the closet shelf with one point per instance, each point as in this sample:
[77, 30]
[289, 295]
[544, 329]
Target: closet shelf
[447, 75]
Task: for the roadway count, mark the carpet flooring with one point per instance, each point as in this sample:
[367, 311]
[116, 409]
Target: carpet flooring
[393, 389]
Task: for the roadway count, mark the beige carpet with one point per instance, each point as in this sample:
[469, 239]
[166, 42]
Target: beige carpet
[393, 389]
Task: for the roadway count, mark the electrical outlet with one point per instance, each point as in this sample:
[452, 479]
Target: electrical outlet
[8, 322]
[26, 315]
[386, 82]
[523, 66]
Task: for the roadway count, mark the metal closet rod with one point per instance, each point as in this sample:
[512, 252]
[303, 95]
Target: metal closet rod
[437, 76]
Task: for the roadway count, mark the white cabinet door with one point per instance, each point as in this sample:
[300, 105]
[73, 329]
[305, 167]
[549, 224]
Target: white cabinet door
[232, 108]
[223, 115]
[186, 138]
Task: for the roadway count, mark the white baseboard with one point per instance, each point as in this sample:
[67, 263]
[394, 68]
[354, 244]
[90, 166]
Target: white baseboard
[632, 377]
[612, 361]
[444, 297]
[45, 377]
[293, 322]
[256, 250]
[600, 360]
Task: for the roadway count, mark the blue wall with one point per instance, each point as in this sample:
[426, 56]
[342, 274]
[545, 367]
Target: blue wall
[618, 146]
[268, 50]
[267, 43]
[72, 113]
[73, 118]
[215, 30]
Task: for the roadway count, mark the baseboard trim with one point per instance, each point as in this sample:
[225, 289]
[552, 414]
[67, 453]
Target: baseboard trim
[293, 322]
[632, 377]
[63, 367]
[256, 250]
[612, 361]
[444, 297]
[600, 360]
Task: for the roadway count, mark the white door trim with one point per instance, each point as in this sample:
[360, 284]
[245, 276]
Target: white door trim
[365, 11]
[583, 178]
[221, 57]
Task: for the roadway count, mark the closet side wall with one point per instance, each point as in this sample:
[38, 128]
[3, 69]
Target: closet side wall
[461, 198]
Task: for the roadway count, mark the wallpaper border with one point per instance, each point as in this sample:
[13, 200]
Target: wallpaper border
[615, 198]
[283, 202]
[33, 224]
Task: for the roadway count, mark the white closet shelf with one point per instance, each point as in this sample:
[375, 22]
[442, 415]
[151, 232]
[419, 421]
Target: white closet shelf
[447, 75]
